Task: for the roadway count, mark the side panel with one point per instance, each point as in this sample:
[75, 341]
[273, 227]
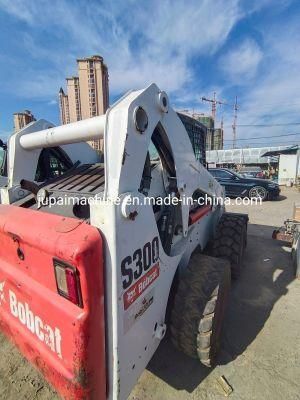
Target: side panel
[138, 272]
[65, 341]
[139, 276]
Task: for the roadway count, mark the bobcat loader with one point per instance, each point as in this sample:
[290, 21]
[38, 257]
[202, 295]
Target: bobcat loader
[89, 288]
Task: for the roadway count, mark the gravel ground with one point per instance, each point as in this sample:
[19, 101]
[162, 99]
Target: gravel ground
[260, 355]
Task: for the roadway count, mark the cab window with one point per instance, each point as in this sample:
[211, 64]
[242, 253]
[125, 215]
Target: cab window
[53, 162]
[2, 161]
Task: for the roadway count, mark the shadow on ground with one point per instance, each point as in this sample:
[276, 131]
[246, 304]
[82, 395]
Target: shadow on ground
[280, 198]
[267, 273]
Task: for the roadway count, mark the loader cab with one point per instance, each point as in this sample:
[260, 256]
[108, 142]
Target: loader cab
[159, 182]
[163, 184]
[53, 162]
[160, 170]
[159, 173]
[3, 167]
[197, 133]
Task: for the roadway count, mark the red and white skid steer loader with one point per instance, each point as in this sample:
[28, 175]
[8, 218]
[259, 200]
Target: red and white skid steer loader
[85, 285]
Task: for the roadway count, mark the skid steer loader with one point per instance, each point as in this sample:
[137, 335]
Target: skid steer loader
[89, 287]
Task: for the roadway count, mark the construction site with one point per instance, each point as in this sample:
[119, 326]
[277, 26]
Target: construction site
[164, 320]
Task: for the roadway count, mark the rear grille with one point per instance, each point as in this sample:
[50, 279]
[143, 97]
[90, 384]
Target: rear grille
[85, 179]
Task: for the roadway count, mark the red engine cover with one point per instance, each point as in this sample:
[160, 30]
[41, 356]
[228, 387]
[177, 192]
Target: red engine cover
[66, 342]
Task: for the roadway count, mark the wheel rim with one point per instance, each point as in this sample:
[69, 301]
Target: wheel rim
[258, 192]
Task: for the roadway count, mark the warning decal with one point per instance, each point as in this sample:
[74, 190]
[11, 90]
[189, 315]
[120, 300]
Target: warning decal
[140, 286]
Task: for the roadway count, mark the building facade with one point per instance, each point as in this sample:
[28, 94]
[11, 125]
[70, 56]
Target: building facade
[243, 156]
[74, 99]
[64, 107]
[218, 139]
[214, 138]
[87, 95]
[93, 82]
[22, 119]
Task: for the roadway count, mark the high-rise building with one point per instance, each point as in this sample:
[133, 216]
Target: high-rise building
[87, 95]
[74, 99]
[93, 83]
[22, 119]
[206, 120]
[214, 137]
[218, 139]
[64, 107]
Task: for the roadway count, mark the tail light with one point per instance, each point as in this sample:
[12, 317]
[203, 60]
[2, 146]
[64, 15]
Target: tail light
[68, 282]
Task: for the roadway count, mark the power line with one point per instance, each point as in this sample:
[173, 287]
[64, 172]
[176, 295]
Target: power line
[263, 137]
[268, 125]
[274, 104]
[264, 144]
[275, 141]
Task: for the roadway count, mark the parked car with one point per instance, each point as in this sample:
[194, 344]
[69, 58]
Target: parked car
[238, 185]
[252, 172]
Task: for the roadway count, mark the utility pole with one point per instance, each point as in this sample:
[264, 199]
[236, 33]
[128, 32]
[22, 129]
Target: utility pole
[235, 109]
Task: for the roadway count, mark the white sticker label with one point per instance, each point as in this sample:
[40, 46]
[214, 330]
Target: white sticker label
[137, 309]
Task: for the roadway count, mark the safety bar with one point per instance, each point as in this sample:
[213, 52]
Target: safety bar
[81, 131]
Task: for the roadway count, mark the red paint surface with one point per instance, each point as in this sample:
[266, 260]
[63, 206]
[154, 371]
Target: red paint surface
[197, 214]
[140, 286]
[79, 372]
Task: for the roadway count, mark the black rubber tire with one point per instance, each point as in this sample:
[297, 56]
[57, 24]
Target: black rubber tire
[230, 242]
[262, 190]
[199, 307]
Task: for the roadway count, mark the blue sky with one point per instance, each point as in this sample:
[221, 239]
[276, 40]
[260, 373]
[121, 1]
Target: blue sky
[248, 48]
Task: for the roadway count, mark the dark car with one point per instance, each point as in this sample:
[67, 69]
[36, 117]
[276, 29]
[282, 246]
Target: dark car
[239, 186]
[251, 172]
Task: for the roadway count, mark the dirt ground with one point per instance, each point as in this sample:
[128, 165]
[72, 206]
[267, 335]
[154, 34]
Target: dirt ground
[260, 355]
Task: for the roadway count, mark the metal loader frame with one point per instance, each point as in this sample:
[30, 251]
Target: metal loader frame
[138, 270]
